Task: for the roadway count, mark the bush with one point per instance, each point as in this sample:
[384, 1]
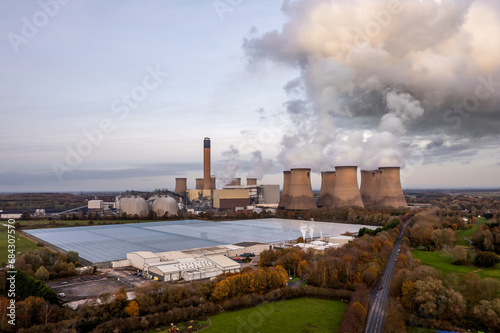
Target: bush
[486, 259]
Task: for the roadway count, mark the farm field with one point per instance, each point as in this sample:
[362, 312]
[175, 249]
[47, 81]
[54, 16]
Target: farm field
[297, 315]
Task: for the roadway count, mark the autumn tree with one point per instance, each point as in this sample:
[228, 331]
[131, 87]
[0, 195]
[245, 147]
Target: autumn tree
[132, 309]
[42, 274]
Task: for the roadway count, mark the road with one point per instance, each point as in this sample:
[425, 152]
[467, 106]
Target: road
[379, 298]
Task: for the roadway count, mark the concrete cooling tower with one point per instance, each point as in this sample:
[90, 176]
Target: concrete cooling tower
[390, 192]
[199, 183]
[180, 185]
[251, 181]
[370, 180]
[327, 188]
[235, 182]
[301, 195]
[164, 205]
[346, 192]
[134, 206]
[285, 194]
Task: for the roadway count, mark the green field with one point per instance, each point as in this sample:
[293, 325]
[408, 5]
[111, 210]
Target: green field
[461, 234]
[297, 315]
[442, 263]
[21, 244]
[419, 330]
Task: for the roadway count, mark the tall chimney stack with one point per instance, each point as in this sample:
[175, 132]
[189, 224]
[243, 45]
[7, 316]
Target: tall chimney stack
[327, 188]
[370, 180]
[346, 192]
[390, 192]
[199, 183]
[207, 182]
[251, 181]
[301, 195]
[285, 194]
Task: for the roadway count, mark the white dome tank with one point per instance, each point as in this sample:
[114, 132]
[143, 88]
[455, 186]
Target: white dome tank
[134, 206]
[165, 204]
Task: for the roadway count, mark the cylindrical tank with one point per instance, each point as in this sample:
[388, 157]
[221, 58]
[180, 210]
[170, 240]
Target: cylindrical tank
[285, 193]
[301, 195]
[251, 181]
[165, 205]
[390, 192]
[199, 183]
[346, 192]
[235, 182]
[206, 165]
[327, 188]
[134, 206]
[370, 180]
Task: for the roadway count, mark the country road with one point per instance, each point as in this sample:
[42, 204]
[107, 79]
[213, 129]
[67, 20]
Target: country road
[377, 308]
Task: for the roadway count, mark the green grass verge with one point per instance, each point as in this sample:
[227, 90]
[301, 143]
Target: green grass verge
[297, 315]
[22, 244]
[442, 263]
[468, 233]
[294, 278]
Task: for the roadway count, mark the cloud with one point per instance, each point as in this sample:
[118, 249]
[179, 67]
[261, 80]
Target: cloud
[387, 77]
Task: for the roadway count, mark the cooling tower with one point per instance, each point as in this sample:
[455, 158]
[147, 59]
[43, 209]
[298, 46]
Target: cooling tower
[134, 206]
[199, 183]
[207, 182]
[251, 181]
[370, 180]
[165, 204]
[301, 195]
[285, 194]
[180, 185]
[346, 192]
[235, 182]
[327, 188]
[390, 192]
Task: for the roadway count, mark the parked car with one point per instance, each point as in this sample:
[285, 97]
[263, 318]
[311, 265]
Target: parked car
[61, 295]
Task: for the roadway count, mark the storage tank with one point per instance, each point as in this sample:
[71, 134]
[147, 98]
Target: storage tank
[165, 204]
[301, 195]
[390, 192]
[370, 180]
[134, 206]
[285, 194]
[251, 181]
[346, 192]
[327, 188]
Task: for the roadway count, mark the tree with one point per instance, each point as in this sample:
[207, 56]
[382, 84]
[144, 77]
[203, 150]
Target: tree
[132, 309]
[408, 296]
[42, 274]
[71, 256]
[428, 292]
[486, 259]
[459, 255]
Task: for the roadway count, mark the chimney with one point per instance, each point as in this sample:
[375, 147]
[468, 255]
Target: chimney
[251, 181]
[180, 187]
[235, 182]
[212, 183]
[390, 192]
[327, 188]
[285, 194]
[370, 180]
[207, 182]
[346, 192]
[199, 183]
[301, 195]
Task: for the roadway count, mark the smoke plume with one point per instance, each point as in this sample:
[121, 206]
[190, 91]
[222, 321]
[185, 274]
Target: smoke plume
[377, 79]
[259, 165]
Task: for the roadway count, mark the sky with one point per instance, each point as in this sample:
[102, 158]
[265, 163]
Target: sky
[118, 95]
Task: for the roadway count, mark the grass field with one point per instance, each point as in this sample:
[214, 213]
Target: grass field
[297, 315]
[21, 244]
[461, 234]
[442, 263]
[419, 330]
